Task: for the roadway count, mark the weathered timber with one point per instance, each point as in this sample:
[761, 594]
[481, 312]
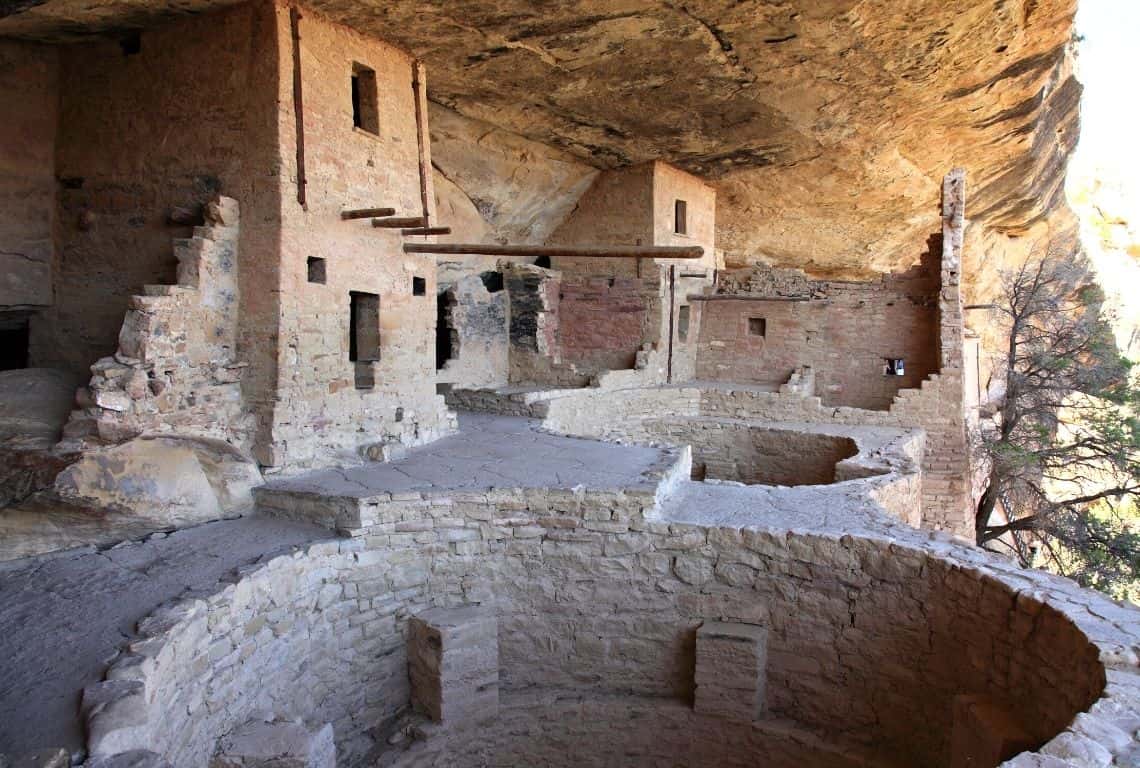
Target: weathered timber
[367, 213]
[426, 231]
[560, 251]
[400, 222]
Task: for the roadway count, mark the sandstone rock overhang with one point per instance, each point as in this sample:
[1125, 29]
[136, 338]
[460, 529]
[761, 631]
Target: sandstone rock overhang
[825, 125]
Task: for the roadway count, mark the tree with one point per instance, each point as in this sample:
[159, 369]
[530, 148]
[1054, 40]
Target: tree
[1062, 454]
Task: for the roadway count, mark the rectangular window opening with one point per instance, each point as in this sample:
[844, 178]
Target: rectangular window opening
[419, 286]
[680, 217]
[896, 366]
[757, 326]
[365, 104]
[316, 270]
[364, 335]
[683, 322]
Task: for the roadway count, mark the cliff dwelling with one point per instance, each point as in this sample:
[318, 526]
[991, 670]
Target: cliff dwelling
[525, 384]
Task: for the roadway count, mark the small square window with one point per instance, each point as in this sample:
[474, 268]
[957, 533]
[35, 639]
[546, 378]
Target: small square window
[757, 326]
[419, 286]
[365, 106]
[896, 366]
[316, 270]
[680, 217]
[683, 323]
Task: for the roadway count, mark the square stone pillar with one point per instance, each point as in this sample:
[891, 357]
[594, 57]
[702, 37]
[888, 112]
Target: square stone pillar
[985, 733]
[453, 664]
[732, 661]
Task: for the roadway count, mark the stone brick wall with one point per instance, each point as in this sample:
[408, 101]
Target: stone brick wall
[598, 600]
[317, 409]
[845, 331]
[754, 454]
[29, 81]
[140, 134]
[603, 321]
[478, 320]
[176, 369]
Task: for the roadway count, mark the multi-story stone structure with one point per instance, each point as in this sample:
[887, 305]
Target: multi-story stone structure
[532, 477]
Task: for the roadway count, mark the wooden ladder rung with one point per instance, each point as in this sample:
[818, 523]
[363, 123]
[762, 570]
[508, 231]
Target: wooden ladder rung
[367, 213]
[401, 222]
[426, 231]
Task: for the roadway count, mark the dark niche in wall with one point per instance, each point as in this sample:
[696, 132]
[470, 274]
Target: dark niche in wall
[365, 106]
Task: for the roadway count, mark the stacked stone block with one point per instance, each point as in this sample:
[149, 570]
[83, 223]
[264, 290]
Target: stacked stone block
[453, 664]
[732, 666]
[176, 368]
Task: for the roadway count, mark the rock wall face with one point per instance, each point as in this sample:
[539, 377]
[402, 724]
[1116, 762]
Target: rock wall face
[825, 126]
[29, 80]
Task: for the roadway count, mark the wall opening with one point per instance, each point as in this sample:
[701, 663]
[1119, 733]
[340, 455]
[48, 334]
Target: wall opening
[419, 286]
[131, 43]
[365, 108]
[446, 337]
[364, 336]
[316, 270]
[492, 280]
[683, 322]
[896, 366]
[680, 217]
[13, 343]
[757, 326]
[542, 261]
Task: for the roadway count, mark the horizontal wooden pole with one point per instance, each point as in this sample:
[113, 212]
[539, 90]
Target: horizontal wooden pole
[400, 222]
[367, 213]
[426, 231]
[560, 251]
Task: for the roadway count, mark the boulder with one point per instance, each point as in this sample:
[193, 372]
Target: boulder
[174, 480]
[34, 405]
[276, 744]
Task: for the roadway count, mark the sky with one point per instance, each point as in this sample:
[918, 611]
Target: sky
[1108, 64]
[1104, 173]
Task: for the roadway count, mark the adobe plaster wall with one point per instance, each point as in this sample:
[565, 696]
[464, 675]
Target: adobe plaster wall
[317, 410]
[140, 134]
[29, 78]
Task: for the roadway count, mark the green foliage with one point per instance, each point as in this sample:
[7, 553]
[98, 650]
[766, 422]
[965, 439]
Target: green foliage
[1063, 451]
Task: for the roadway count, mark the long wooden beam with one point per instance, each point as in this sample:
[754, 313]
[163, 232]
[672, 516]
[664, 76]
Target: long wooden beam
[367, 213]
[426, 231]
[560, 251]
[400, 222]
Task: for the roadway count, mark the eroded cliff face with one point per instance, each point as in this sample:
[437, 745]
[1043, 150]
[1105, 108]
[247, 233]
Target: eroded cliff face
[825, 125]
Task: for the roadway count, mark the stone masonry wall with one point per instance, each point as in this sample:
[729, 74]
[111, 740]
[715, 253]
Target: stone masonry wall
[29, 81]
[478, 321]
[139, 135]
[845, 331]
[596, 597]
[604, 321]
[318, 409]
[176, 368]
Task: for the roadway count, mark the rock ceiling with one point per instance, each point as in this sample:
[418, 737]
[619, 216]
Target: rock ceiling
[826, 125]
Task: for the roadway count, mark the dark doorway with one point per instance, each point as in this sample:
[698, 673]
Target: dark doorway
[13, 343]
[446, 337]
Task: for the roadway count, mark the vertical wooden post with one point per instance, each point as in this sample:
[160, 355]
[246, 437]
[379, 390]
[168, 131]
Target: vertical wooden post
[298, 105]
[423, 140]
[672, 309]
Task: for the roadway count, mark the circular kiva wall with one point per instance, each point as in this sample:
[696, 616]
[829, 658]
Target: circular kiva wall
[757, 455]
[870, 644]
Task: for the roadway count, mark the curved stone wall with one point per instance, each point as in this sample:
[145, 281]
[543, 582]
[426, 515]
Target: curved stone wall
[871, 635]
